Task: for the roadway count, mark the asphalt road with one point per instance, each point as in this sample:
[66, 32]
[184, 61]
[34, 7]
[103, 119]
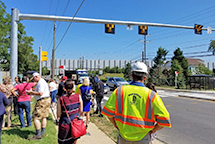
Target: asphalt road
[192, 121]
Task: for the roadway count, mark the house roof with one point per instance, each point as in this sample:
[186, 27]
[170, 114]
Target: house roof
[194, 61]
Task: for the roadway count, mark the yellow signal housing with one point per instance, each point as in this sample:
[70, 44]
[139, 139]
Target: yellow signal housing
[110, 28]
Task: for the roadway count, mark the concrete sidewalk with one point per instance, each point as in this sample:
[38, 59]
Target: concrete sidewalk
[96, 136]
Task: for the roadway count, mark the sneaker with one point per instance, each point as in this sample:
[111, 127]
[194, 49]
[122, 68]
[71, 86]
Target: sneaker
[95, 112]
[100, 115]
[35, 137]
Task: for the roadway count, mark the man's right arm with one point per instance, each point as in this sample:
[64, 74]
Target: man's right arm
[161, 114]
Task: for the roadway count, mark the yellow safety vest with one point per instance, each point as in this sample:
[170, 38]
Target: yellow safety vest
[135, 110]
[77, 90]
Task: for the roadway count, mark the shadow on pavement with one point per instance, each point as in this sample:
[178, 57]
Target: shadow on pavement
[21, 133]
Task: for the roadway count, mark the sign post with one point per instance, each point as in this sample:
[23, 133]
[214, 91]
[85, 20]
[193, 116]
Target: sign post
[176, 75]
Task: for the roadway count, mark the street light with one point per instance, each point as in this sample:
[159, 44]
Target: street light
[144, 46]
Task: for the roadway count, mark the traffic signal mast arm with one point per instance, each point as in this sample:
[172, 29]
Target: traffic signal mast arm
[98, 21]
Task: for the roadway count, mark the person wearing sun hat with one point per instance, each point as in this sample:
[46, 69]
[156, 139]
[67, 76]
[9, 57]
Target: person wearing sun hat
[42, 106]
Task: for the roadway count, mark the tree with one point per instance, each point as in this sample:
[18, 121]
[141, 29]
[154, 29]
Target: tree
[26, 59]
[127, 72]
[45, 71]
[212, 47]
[201, 69]
[155, 73]
[106, 70]
[180, 79]
[4, 38]
[178, 55]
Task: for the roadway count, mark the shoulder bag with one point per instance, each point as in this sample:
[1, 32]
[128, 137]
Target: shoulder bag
[87, 96]
[78, 128]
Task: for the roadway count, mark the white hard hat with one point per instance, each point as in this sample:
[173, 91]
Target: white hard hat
[139, 67]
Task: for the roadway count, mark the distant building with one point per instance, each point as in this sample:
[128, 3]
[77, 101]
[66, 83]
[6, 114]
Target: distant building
[192, 63]
[72, 64]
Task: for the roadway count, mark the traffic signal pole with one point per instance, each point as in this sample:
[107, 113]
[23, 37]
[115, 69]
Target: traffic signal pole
[16, 16]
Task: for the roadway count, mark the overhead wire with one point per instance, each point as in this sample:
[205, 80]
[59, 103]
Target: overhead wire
[69, 25]
[46, 23]
[59, 22]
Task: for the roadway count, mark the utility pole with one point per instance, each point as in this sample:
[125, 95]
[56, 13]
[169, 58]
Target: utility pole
[40, 49]
[53, 53]
[144, 52]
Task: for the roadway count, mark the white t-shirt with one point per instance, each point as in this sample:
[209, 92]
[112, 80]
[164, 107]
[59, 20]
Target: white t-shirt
[53, 86]
[42, 87]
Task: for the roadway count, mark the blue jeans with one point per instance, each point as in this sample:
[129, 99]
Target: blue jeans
[27, 107]
[53, 95]
[1, 120]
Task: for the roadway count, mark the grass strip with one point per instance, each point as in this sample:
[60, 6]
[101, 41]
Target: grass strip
[105, 125]
[20, 135]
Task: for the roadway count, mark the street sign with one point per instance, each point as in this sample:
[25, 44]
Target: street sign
[44, 55]
[129, 27]
[61, 71]
[100, 72]
[61, 67]
[176, 73]
[209, 30]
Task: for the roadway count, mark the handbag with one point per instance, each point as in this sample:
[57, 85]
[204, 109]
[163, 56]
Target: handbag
[78, 128]
[87, 96]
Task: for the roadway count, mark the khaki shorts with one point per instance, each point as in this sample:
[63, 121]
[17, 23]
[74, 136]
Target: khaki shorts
[41, 109]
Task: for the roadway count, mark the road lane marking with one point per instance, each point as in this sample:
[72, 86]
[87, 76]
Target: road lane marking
[197, 99]
[168, 105]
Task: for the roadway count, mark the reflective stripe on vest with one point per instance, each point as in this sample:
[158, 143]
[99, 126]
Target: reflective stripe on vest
[149, 106]
[148, 122]
[108, 112]
[119, 101]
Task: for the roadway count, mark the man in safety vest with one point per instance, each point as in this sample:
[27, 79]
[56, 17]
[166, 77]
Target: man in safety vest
[134, 109]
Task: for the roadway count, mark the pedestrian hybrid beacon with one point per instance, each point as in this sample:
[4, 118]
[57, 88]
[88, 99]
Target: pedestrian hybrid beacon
[136, 109]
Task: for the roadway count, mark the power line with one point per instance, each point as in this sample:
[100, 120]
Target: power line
[64, 12]
[46, 23]
[69, 25]
[59, 22]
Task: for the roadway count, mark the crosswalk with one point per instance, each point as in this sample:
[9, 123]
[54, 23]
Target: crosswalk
[161, 93]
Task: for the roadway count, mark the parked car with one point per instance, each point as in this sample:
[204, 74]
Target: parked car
[106, 89]
[114, 82]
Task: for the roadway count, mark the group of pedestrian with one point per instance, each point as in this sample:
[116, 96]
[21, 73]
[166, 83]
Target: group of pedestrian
[135, 110]
[23, 91]
[75, 102]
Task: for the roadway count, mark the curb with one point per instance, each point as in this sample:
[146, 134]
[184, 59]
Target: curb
[209, 99]
[190, 91]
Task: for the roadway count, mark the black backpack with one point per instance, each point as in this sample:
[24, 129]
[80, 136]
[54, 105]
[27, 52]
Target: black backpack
[87, 95]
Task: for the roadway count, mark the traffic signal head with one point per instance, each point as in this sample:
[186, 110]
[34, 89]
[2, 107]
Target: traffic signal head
[143, 30]
[198, 29]
[110, 28]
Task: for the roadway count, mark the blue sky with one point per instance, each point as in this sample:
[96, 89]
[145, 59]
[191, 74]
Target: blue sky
[90, 41]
